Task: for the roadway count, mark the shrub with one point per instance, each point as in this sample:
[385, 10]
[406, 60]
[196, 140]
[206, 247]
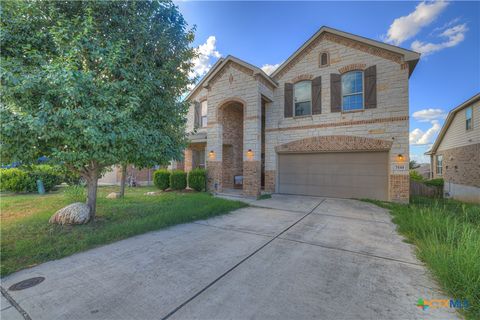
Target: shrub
[161, 179]
[50, 176]
[435, 182]
[71, 178]
[197, 179]
[75, 193]
[178, 180]
[14, 180]
[414, 175]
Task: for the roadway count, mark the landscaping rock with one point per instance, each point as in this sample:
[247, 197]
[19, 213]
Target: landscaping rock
[151, 193]
[113, 195]
[75, 213]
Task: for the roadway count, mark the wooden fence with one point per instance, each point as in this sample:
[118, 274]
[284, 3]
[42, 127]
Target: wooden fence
[417, 188]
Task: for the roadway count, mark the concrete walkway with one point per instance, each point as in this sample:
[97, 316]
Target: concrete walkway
[289, 257]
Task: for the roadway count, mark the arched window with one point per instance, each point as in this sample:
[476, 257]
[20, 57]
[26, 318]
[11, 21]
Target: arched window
[324, 59]
[302, 93]
[352, 91]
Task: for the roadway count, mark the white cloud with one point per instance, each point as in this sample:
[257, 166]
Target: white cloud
[418, 137]
[430, 114]
[406, 27]
[270, 68]
[454, 36]
[206, 51]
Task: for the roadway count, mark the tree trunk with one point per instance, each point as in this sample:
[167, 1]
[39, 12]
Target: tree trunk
[123, 180]
[92, 183]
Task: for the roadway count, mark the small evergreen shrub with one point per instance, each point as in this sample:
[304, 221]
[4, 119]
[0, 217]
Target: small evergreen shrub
[178, 180]
[434, 182]
[161, 179]
[197, 179]
[14, 180]
[75, 193]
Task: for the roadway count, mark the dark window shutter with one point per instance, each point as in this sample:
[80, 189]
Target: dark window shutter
[288, 105]
[335, 92]
[317, 95]
[371, 87]
[196, 121]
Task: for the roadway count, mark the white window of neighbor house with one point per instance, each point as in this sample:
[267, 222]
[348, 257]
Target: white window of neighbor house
[352, 91]
[439, 165]
[204, 113]
[302, 98]
[468, 118]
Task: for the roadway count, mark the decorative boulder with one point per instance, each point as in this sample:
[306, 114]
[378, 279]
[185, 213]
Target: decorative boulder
[151, 193]
[113, 195]
[75, 213]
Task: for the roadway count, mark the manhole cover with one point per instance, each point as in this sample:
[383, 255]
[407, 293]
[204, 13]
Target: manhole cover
[25, 284]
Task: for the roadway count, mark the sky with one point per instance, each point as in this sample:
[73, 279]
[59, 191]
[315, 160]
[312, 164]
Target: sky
[267, 33]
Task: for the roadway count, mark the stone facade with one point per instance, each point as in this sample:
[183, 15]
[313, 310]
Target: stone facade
[460, 165]
[383, 128]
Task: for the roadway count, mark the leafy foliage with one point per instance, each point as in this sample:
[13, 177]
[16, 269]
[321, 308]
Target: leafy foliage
[197, 179]
[161, 179]
[90, 84]
[435, 182]
[414, 175]
[75, 193]
[178, 180]
[25, 179]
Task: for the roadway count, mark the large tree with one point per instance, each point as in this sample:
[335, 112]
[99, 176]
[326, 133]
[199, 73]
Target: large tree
[90, 84]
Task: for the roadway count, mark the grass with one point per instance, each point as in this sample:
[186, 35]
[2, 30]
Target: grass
[447, 236]
[28, 239]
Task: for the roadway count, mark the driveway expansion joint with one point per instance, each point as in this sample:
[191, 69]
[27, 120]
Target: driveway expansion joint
[14, 304]
[171, 313]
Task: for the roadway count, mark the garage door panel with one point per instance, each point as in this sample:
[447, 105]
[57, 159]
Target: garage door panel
[344, 175]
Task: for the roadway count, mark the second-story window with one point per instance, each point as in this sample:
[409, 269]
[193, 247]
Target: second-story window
[468, 118]
[204, 110]
[302, 92]
[352, 91]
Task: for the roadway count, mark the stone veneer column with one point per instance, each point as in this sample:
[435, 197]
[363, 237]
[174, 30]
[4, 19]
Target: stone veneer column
[188, 155]
[214, 175]
[399, 188]
[252, 141]
[270, 180]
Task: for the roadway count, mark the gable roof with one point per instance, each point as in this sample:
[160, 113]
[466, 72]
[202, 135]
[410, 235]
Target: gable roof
[220, 64]
[449, 120]
[410, 57]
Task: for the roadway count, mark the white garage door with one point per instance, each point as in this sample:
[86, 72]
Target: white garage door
[339, 174]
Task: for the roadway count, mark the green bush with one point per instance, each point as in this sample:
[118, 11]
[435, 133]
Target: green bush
[414, 175]
[161, 179]
[197, 179]
[75, 193]
[25, 179]
[434, 182]
[71, 178]
[14, 180]
[178, 180]
[50, 176]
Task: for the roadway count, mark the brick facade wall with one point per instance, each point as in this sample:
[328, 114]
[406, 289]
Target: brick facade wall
[460, 165]
[214, 175]
[399, 188]
[270, 176]
[232, 154]
[251, 178]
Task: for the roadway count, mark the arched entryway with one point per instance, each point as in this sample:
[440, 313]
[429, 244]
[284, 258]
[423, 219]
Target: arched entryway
[231, 116]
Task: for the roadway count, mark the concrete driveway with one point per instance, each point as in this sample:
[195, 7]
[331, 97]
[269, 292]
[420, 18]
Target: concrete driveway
[289, 257]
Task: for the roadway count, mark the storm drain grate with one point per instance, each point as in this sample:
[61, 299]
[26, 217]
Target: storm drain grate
[27, 283]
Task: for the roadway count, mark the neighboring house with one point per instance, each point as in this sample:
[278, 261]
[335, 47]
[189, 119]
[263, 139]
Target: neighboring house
[113, 176]
[332, 121]
[455, 155]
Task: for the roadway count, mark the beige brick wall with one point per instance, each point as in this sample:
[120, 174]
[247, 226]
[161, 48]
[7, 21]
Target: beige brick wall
[460, 165]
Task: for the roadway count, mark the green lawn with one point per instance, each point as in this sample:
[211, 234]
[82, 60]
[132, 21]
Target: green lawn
[447, 236]
[28, 239]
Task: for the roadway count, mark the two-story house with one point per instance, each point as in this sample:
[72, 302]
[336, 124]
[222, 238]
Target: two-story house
[455, 155]
[331, 121]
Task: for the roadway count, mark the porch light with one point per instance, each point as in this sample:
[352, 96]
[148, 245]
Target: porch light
[211, 154]
[400, 157]
[250, 153]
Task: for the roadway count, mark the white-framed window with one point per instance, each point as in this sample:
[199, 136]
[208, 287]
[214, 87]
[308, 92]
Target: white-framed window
[302, 98]
[439, 161]
[352, 91]
[468, 118]
[204, 111]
